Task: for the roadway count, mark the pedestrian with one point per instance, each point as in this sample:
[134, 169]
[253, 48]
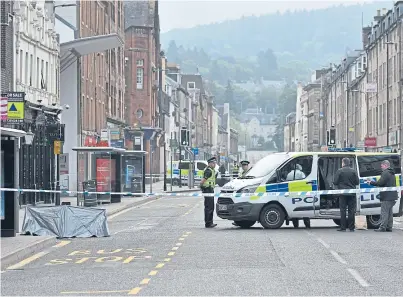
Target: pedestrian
[387, 198]
[207, 185]
[347, 178]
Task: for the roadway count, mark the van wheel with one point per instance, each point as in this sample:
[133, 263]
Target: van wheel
[245, 224]
[295, 223]
[337, 222]
[272, 216]
[373, 221]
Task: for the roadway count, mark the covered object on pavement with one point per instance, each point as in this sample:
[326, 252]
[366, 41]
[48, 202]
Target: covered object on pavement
[65, 221]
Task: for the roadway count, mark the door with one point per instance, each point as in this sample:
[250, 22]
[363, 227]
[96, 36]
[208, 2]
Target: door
[327, 205]
[298, 176]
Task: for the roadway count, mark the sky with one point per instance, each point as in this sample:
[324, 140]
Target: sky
[190, 13]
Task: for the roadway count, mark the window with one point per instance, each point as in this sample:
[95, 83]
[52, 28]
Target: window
[371, 165]
[140, 62]
[140, 77]
[191, 85]
[296, 169]
[267, 165]
[184, 165]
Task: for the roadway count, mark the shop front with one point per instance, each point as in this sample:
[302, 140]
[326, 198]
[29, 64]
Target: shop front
[9, 163]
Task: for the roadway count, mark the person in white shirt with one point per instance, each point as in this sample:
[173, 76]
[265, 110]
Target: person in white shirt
[296, 174]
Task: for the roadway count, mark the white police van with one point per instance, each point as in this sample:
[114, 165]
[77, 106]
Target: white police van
[272, 174]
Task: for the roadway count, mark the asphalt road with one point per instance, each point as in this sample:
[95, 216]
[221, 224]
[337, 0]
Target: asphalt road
[162, 249]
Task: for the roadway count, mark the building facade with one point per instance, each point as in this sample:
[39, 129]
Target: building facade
[102, 73]
[6, 46]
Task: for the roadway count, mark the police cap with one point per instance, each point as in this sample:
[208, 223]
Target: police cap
[213, 159]
[245, 162]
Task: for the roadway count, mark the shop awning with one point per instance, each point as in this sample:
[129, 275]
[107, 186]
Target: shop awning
[12, 132]
[71, 50]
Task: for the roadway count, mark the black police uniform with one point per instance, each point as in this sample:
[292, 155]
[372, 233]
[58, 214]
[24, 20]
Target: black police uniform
[209, 201]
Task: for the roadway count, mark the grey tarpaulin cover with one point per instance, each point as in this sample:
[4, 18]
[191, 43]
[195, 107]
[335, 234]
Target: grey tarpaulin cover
[65, 221]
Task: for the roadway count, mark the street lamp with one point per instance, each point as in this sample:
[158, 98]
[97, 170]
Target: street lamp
[29, 137]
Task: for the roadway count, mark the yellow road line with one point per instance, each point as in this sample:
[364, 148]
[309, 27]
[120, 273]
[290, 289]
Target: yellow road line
[188, 232]
[175, 248]
[181, 238]
[27, 261]
[160, 265]
[179, 244]
[167, 259]
[153, 272]
[145, 281]
[185, 235]
[62, 243]
[171, 253]
[95, 292]
[135, 291]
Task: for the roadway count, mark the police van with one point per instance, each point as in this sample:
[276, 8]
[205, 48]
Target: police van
[180, 171]
[289, 173]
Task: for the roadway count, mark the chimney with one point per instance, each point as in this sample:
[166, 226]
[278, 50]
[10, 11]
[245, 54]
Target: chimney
[365, 33]
[378, 16]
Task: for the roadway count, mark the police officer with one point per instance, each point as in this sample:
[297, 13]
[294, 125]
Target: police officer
[245, 167]
[207, 185]
[235, 170]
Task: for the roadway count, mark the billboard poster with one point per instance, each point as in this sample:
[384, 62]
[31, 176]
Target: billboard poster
[103, 174]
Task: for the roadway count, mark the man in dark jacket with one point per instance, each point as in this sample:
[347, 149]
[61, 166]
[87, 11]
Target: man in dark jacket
[346, 178]
[387, 198]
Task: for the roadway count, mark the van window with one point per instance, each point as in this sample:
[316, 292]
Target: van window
[267, 165]
[371, 165]
[297, 169]
[201, 166]
[184, 165]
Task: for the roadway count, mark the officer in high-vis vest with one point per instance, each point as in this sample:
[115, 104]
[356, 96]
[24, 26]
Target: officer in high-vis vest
[235, 170]
[207, 185]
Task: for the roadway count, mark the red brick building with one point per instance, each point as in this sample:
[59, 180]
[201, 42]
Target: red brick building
[142, 54]
[102, 74]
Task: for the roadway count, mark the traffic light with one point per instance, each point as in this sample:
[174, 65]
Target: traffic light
[332, 136]
[184, 137]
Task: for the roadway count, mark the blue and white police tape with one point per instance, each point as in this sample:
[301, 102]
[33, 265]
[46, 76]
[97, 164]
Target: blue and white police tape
[196, 192]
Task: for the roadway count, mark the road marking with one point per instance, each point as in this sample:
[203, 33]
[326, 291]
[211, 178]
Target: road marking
[153, 272]
[27, 261]
[160, 265]
[62, 243]
[175, 248]
[358, 277]
[181, 238]
[167, 259]
[338, 257]
[171, 253]
[130, 208]
[323, 243]
[95, 292]
[188, 232]
[135, 291]
[179, 244]
[185, 235]
[145, 281]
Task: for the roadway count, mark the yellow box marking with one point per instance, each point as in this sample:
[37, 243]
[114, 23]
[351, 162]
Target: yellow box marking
[153, 272]
[167, 259]
[94, 292]
[135, 291]
[160, 265]
[171, 253]
[175, 248]
[62, 243]
[26, 261]
[145, 281]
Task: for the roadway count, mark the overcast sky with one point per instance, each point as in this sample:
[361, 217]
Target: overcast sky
[190, 13]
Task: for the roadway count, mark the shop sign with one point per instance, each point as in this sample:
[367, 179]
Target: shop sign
[370, 141]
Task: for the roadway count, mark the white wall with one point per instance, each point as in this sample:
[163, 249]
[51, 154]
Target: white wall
[35, 40]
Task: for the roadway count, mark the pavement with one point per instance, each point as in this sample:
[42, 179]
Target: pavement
[161, 248]
[16, 248]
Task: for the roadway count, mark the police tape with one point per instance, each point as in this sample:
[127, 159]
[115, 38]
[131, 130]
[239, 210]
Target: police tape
[196, 192]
